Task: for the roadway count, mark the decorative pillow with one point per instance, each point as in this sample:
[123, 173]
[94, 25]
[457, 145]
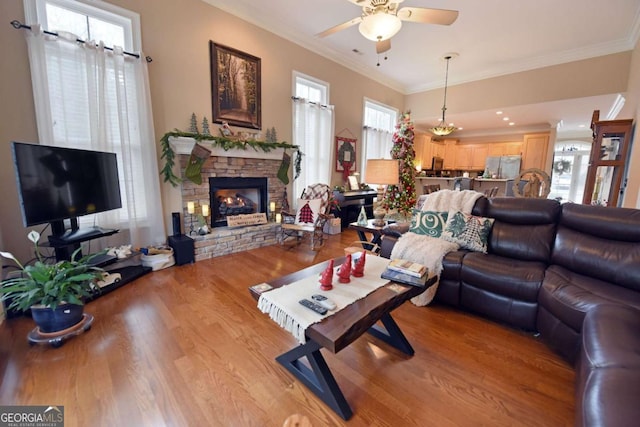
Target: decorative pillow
[429, 223]
[308, 211]
[470, 232]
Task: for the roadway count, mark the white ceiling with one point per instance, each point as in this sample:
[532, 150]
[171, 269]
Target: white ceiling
[492, 38]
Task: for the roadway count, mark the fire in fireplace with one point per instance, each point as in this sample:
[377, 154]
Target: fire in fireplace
[236, 196]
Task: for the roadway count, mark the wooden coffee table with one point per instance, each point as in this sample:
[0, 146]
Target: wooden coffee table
[342, 328]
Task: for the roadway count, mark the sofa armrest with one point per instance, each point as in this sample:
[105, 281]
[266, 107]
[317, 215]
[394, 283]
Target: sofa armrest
[386, 245]
[395, 229]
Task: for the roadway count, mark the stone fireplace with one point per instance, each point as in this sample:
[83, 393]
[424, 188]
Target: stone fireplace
[232, 168]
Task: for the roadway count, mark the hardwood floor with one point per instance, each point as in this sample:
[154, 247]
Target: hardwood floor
[187, 346]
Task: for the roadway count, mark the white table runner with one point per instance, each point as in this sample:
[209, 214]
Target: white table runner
[282, 303]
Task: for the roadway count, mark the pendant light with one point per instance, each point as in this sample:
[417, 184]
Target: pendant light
[443, 129]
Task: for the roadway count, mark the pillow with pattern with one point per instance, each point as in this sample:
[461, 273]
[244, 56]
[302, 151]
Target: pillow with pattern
[308, 211]
[469, 231]
[429, 223]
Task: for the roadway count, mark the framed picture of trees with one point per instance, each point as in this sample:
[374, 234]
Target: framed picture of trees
[235, 87]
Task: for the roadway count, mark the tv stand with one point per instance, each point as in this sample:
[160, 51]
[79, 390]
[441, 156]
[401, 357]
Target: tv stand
[79, 235]
[66, 241]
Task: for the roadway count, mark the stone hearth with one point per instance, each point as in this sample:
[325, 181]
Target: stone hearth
[232, 163]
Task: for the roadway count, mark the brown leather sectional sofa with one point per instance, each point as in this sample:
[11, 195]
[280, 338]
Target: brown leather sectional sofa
[570, 272]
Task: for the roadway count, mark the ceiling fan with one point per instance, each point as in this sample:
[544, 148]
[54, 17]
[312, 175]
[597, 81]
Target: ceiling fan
[382, 19]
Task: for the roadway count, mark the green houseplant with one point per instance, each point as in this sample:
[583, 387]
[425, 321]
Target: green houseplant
[53, 292]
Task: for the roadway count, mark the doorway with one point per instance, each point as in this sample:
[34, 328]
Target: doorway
[569, 173]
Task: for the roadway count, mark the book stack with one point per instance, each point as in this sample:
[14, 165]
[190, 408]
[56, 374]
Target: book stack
[406, 272]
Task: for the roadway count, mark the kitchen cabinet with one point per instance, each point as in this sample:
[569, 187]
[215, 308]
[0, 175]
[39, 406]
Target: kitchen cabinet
[450, 153]
[498, 149]
[422, 147]
[437, 148]
[534, 152]
[479, 155]
[512, 149]
[471, 156]
[463, 157]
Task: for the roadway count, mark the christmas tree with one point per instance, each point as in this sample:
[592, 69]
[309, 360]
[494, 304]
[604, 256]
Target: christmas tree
[205, 127]
[193, 126]
[403, 196]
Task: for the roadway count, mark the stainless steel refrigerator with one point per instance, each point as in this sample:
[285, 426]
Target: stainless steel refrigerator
[504, 167]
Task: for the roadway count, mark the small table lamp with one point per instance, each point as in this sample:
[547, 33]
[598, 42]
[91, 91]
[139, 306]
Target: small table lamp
[382, 172]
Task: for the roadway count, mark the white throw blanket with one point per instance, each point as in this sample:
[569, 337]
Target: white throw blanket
[282, 303]
[430, 251]
[451, 200]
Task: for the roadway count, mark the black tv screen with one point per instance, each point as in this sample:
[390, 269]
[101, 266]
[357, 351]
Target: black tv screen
[56, 183]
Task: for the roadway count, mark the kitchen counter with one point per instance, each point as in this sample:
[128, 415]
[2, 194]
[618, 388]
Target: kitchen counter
[478, 184]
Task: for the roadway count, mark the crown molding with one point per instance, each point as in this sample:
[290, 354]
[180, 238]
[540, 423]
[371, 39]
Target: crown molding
[284, 31]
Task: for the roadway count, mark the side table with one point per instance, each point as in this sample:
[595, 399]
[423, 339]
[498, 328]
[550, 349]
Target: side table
[363, 230]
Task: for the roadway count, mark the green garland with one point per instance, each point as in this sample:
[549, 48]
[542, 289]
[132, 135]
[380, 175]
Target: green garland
[221, 142]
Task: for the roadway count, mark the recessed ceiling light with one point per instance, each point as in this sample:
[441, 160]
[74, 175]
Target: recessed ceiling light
[582, 126]
[498, 112]
[460, 128]
[511, 123]
[505, 118]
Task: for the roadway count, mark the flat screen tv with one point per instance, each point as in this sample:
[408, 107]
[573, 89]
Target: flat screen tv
[56, 183]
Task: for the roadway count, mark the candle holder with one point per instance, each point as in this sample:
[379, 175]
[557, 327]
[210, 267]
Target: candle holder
[272, 211]
[204, 229]
[191, 209]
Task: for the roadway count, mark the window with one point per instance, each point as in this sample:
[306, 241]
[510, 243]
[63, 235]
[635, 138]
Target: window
[91, 98]
[95, 20]
[379, 124]
[312, 131]
[311, 90]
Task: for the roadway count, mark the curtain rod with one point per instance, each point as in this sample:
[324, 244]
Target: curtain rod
[297, 98]
[17, 25]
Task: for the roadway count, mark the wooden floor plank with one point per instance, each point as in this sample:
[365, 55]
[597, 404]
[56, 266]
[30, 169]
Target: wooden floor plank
[187, 346]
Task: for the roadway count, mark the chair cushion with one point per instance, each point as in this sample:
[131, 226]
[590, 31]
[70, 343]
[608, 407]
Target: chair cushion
[308, 211]
[469, 231]
[429, 223]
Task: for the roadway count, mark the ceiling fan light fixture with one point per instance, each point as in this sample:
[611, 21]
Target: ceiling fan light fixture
[379, 26]
[442, 129]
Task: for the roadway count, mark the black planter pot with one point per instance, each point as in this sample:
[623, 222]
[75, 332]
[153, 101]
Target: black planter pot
[62, 317]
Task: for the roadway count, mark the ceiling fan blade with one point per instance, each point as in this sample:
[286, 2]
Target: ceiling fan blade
[428, 16]
[383, 46]
[339, 27]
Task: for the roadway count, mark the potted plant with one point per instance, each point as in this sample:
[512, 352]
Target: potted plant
[54, 292]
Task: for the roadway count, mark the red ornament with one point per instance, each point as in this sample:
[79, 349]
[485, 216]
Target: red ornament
[344, 273]
[358, 269]
[326, 278]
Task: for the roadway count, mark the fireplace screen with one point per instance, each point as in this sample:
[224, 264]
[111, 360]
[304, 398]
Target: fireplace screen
[236, 196]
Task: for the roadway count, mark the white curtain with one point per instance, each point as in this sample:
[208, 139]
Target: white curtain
[376, 144]
[87, 97]
[313, 128]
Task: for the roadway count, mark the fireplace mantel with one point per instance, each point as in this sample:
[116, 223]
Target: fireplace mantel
[182, 145]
